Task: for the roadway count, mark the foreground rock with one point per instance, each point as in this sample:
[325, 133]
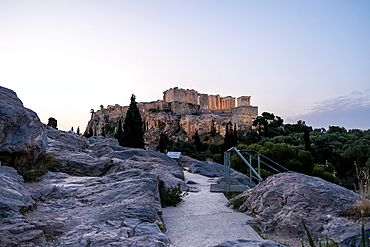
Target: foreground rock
[97, 155]
[208, 169]
[15, 197]
[279, 202]
[22, 135]
[101, 195]
[250, 243]
[118, 209]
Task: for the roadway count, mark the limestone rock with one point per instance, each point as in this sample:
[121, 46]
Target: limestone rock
[279, 202]
[22, 137]
[118, 209]
[15, 197]
[186, 161]
[250, 243]
[208, 169]
[236, 178]
[167, 169]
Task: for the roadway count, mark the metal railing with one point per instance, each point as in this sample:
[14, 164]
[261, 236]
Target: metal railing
[253, 174]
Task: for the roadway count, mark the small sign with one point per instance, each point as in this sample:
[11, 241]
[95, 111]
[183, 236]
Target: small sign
[174, 155]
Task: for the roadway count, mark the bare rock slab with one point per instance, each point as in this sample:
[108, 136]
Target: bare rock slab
[22, 137]
[279, 202]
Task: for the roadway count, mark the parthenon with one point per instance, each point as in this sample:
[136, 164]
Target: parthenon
[205, 101]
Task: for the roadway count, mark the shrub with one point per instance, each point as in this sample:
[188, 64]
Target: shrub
[319, 171]
[171, 196]
[33, 172]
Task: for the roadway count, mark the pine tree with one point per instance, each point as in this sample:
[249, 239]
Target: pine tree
[197, 142]
[133, 135]
[78, 130]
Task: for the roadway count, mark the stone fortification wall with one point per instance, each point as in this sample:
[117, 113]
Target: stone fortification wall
[244, 100]
[181, 95]
[204, 101]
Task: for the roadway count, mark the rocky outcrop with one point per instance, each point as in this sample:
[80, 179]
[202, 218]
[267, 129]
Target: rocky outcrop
[101, 195]
[279, 202]
[22, 137]
[208, 169]
[15, 197]
[186, 161]
[119, 209]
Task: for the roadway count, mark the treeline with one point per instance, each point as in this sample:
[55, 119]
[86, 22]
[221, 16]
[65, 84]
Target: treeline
[328, 154]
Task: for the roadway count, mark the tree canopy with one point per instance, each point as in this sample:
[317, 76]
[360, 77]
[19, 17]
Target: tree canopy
[52, 122]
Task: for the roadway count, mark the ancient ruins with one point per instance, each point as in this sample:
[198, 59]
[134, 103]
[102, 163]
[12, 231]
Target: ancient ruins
[183, 109]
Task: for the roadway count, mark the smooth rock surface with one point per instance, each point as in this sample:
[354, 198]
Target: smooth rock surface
[22, 137]
[279, 202]
[208, 169]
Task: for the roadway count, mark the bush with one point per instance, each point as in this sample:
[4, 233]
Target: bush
[319, 171]
[34, 172]
[171, 196]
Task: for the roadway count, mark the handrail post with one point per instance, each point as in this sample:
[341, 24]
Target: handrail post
[250, 170]
[227, 171]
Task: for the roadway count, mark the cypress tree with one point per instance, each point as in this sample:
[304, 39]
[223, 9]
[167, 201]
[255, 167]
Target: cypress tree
[119, 134]
[163, 143]
[133, 135]
[235, 135]
[91, 133]
[197, 142]
[78, 130]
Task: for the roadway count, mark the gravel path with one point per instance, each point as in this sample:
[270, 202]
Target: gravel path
[202, 219]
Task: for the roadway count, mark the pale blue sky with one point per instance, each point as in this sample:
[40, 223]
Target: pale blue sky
[293, 57]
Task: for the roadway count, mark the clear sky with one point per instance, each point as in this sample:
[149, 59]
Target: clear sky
[306, 60]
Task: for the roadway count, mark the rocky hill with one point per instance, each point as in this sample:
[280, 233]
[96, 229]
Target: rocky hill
[100, 193]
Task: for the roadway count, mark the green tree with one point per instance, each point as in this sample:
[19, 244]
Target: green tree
[91, 133]
[119, 133]
[72, 128]
[53, 122]
[133, 135]
[197, 142]
[213, 129]
[78, 130]
[164, 143]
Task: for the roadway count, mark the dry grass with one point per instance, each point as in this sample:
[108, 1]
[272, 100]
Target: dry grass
[363, 177]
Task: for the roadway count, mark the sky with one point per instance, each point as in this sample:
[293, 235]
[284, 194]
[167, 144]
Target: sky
[307, 60]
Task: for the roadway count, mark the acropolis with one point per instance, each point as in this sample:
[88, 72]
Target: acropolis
[205, 101]
[183, 109]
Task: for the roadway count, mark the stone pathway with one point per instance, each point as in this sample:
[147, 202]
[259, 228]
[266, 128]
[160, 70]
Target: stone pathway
[202, 218]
